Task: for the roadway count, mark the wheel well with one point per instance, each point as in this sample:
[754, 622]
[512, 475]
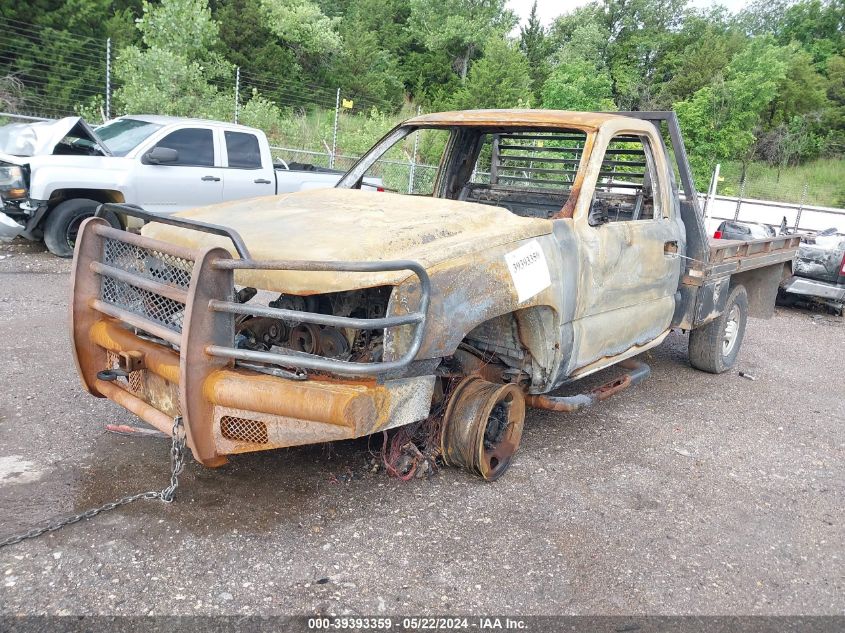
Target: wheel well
[524, 339]
[761, 284]
[100, 195]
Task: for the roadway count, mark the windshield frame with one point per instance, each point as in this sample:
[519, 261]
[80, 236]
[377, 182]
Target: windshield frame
[353, 178]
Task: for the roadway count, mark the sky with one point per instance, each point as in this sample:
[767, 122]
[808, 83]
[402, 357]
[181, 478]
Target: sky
[548, 10]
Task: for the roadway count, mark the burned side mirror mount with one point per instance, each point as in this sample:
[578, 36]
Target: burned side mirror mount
[597, 215]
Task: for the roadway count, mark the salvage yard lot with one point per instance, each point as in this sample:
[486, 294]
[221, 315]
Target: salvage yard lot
[690, 493]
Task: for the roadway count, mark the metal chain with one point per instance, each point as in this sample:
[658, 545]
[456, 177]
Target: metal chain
[177, 464]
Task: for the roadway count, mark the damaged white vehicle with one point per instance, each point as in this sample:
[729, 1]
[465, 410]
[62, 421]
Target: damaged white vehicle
[54, 174]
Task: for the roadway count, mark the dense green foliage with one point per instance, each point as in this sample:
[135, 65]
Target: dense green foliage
[764, 85]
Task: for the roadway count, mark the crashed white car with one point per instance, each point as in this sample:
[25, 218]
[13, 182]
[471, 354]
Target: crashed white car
[54, 174]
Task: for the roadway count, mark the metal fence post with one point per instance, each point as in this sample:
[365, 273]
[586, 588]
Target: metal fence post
[711, 194]
[801, 206]
[108, 79]
[237, 92]
[741, 195]
[413, 168]
[334, 132]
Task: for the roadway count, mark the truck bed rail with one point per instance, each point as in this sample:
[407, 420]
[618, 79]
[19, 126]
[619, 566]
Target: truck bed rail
[734, 256]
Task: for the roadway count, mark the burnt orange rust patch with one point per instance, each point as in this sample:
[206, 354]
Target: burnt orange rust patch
[161, 361]
[327, 402]
[587, 121]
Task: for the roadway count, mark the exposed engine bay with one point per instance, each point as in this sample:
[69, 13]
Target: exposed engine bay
[349, 344]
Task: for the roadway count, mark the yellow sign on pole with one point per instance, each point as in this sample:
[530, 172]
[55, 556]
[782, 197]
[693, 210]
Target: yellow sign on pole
[348, 103]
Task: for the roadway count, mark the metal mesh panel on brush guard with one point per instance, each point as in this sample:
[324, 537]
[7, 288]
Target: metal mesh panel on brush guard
[243, 430]
[153, 265]
[154, 307]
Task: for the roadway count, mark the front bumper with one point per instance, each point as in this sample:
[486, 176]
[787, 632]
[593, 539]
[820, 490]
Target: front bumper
[9, 229]
[814, 288]
[164, 316]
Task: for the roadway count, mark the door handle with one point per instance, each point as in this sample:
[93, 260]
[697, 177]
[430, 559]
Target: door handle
[670, 247]
[262, 181]
[210, 179]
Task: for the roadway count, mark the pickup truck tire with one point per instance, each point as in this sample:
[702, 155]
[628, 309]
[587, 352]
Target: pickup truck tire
[714, 347]
[63, 223]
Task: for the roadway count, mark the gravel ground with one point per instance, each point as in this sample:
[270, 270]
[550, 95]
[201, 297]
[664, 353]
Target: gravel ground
[689, 494]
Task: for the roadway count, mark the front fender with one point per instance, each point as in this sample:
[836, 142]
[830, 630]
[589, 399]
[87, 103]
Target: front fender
[467, 291]
[48, 176]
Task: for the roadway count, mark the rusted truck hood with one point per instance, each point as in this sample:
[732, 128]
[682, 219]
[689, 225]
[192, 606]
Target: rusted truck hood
[350, 225]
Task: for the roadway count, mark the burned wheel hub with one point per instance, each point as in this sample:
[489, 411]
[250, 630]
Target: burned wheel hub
[483, 426]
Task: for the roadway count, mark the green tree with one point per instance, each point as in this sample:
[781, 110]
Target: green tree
[579, 79]
[641, 34]
[303, 26]
[834, 117]
[818, 25]
[462, 27]
[802, 90]
[262, 57]
[699, 52]
[720, 120]
[532, 42]
[500, 79]
[174, 69]
[57, 50]
[368, 68]
[578, 85]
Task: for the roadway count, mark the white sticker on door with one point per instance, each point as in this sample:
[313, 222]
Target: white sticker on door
[529, 270]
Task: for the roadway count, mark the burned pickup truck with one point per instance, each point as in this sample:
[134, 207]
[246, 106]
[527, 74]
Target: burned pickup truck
[550, 245]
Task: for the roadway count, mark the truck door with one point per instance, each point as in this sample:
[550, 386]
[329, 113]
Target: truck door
[630, 243]
[193, 179]
[248, 173]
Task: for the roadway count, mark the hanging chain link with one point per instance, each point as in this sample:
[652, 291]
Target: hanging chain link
[177, 464]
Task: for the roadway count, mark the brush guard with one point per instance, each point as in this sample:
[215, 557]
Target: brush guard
[181, 304]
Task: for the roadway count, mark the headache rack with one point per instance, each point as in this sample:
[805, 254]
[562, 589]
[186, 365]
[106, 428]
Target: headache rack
[173, 293]
[536, 159]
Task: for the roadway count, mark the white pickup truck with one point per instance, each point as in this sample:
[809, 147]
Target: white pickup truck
[54, 175]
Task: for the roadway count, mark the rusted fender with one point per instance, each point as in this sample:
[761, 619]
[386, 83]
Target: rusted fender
[472, 289]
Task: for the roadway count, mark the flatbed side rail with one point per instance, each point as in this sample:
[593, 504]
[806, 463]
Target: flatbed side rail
[730, 256]
[297, 360]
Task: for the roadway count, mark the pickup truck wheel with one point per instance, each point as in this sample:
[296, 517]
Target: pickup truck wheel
[63, 222]
[714, 348]
[482, 426]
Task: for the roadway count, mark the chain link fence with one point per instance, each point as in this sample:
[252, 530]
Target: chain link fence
[775, 198]
[404, 177]
[791, 185]
[321, 125]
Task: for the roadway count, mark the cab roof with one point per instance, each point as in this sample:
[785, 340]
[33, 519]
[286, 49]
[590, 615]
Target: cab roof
[586, 121]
